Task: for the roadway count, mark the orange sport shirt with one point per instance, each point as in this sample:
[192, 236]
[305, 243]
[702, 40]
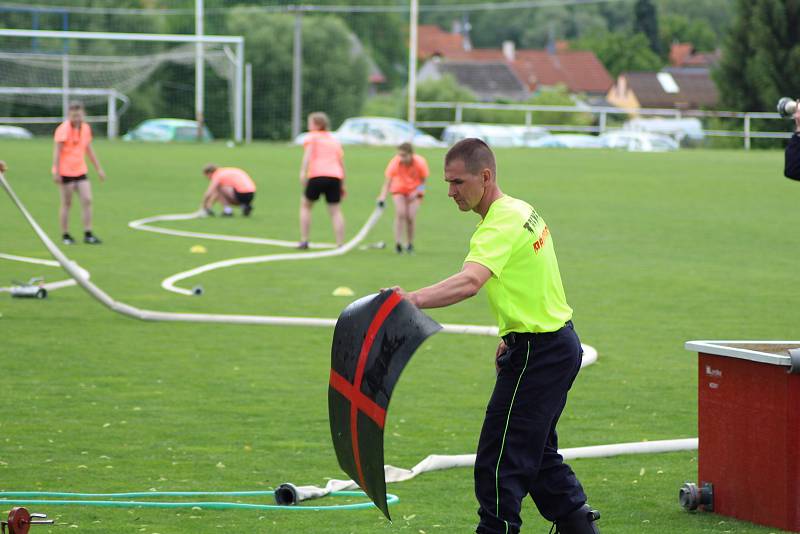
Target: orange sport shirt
[239, 180]
[406, 178]
[324, 155]
[75, 141]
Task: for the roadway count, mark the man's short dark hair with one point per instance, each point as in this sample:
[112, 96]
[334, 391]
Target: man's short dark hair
[75, 104]
[475, 154]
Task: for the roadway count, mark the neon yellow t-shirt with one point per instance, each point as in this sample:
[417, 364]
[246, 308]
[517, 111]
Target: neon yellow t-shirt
[525, 290]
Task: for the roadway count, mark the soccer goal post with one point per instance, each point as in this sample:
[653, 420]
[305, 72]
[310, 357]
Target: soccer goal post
[233, 49]
[111, 118]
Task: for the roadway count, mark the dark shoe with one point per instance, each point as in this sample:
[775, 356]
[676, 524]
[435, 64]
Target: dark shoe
[410, 248]
[303, 245]
[581, 521]
[399, 248]
[247, 209]
[67, 239]
[91, 239]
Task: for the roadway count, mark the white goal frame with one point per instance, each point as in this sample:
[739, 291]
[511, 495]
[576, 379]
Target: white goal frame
[236, 41]
[111, 118]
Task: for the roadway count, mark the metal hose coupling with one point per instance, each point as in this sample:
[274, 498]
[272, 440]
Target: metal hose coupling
[286, 494]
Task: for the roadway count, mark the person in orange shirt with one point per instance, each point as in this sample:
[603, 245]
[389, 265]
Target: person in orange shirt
[405, 179]
[73, 141]
[231, 187]
[322, 172]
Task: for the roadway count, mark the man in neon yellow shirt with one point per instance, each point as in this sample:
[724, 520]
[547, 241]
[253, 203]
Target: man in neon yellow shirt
[512, 255]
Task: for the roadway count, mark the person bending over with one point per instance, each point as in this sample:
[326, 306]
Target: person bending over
[405, 179]
[230, 186]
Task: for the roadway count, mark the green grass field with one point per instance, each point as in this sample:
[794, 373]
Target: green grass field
[655, 250]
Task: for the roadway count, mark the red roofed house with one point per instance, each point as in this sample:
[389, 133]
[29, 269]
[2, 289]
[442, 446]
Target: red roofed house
[434, 41]
[670, 88]
[579, 71]
[687, 84]
[684, 55]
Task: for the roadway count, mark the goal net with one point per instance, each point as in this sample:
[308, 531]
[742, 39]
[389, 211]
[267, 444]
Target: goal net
[120, 81]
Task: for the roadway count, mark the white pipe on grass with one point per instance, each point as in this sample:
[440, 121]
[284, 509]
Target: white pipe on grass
[49, 286]
[169, 283]
[144, 225]
[81, 275]
[288, 492]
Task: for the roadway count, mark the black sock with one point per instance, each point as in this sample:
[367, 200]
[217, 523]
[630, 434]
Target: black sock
[87, 233]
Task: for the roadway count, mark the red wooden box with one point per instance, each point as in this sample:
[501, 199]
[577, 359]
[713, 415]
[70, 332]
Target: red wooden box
[749, 429]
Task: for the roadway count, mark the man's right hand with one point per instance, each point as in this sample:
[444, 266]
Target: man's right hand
[57, 178]
[501, 349]
[3, 166]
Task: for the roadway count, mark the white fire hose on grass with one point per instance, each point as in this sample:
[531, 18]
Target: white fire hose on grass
[289, 493]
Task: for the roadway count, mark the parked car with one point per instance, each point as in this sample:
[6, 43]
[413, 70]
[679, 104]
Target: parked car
[568, 141]
[379, 131]
[14, 132]
[166, 130]
[495, 135]
[638, 141]
[688, 129]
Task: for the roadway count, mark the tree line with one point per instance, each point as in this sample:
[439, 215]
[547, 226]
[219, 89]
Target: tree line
[758, 37]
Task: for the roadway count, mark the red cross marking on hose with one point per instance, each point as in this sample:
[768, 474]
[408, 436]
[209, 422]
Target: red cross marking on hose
[352, 392]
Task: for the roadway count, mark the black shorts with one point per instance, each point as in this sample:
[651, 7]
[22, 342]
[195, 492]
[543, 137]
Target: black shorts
[244, 198]
[71, 179]
[331, 187]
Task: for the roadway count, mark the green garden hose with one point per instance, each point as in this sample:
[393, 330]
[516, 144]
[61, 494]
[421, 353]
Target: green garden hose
[51, 498]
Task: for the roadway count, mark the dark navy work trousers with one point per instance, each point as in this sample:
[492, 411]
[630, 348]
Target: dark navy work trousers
[518, 447]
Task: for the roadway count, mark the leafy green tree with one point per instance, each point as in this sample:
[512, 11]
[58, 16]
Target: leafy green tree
[445, 89]
[621, 53]
[678, 28]
[530, 27]
[384, 35]
[557, 96]
[334, 77]
[646, 22]
[551, 96]
[761, 57]
[717, 13]
[391, 104]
